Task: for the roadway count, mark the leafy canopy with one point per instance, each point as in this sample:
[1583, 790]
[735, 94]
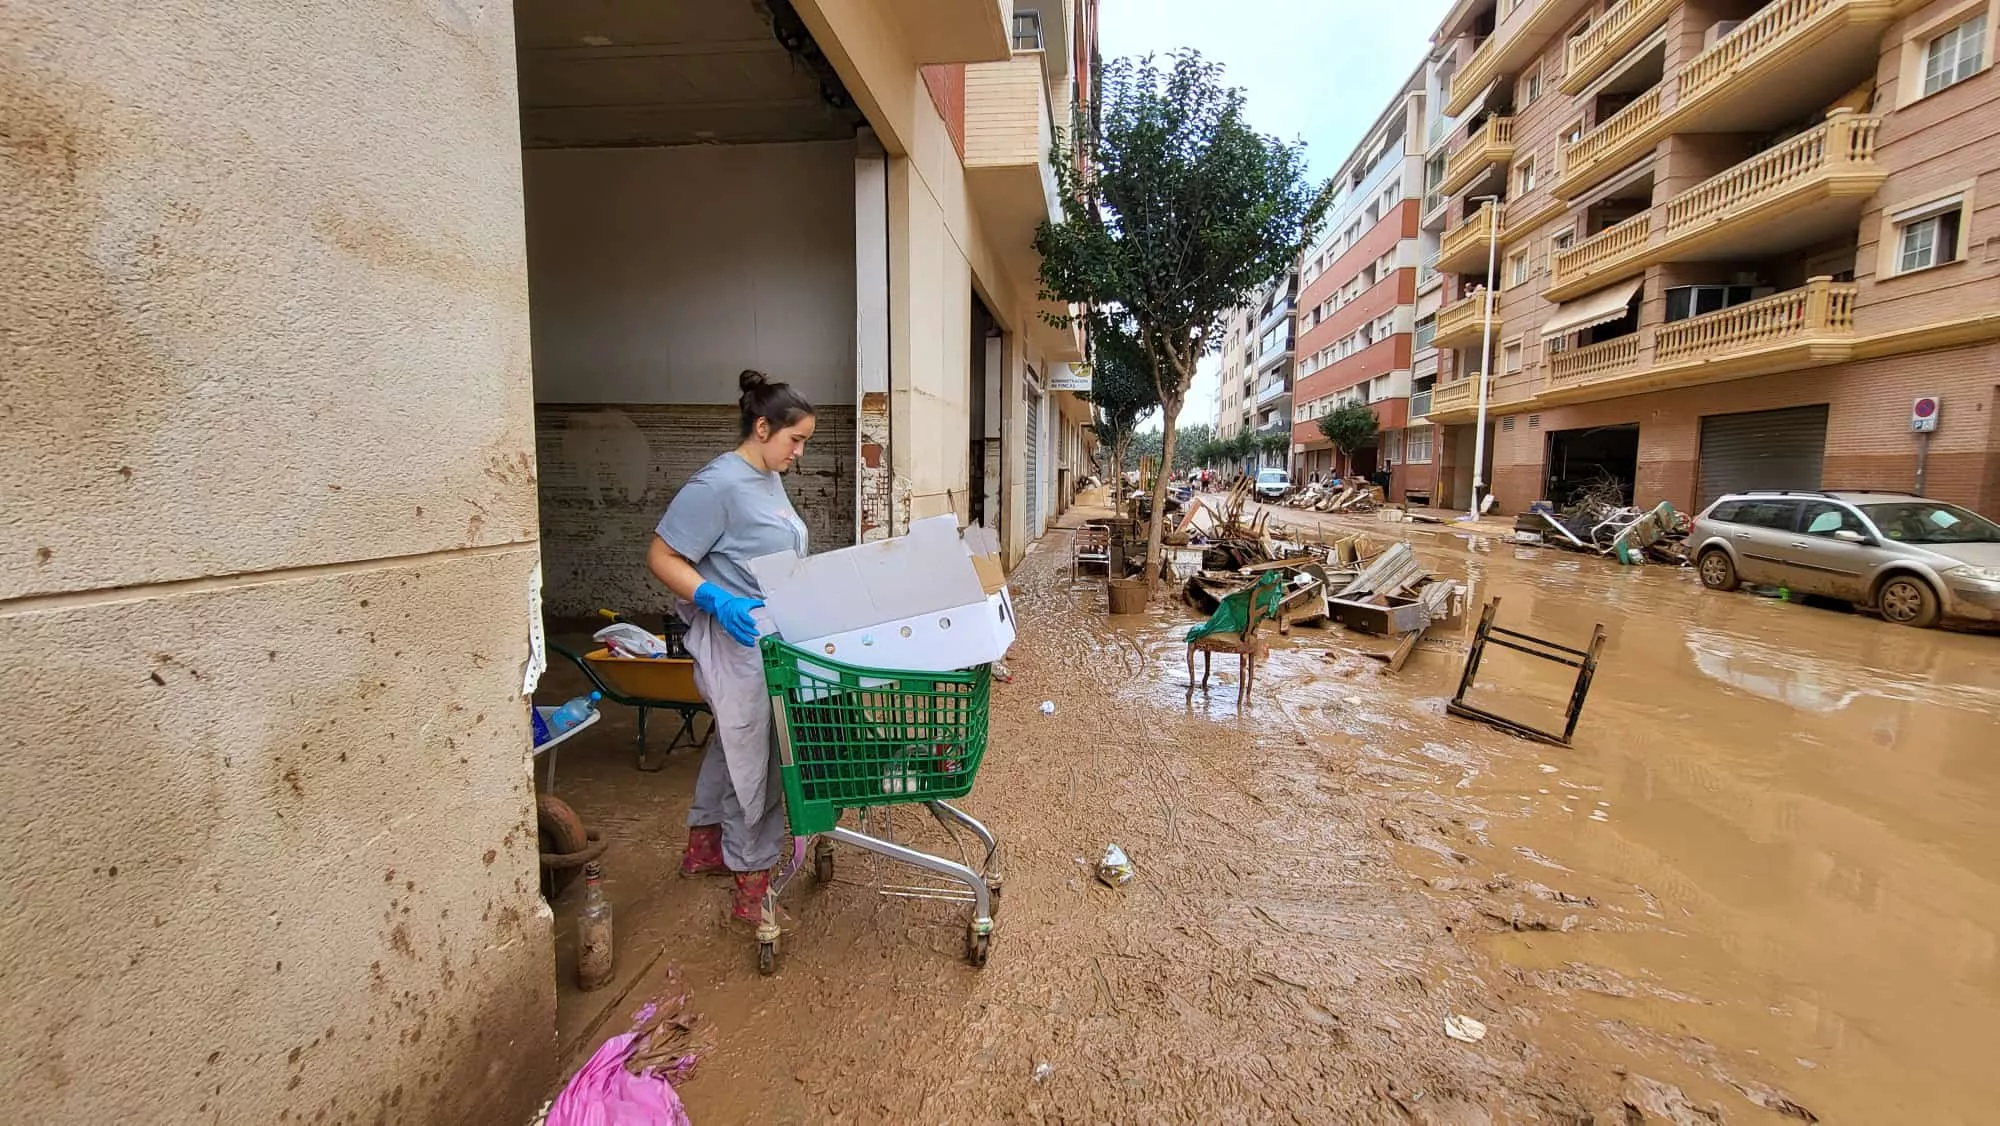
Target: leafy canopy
[1350, 426]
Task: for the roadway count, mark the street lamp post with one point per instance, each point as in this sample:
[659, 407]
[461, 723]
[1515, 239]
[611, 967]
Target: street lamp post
[1485, 348]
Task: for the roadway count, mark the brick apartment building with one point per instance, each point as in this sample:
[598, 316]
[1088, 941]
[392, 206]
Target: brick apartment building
[1357, 305]
[1254, 391]
[1730, 244]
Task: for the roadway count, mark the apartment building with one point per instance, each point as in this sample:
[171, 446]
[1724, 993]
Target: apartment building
[1269, 373]
[341, 341]
[1236, 385]
[1356, 319]
[1725, 244]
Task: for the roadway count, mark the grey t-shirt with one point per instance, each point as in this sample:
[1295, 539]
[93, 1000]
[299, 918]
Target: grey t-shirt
[729, 513]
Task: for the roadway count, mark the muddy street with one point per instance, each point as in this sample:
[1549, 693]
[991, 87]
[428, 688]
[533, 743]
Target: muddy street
[1764, 875]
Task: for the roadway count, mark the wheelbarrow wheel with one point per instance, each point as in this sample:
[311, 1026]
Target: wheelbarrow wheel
[559, 830]
[767, 957]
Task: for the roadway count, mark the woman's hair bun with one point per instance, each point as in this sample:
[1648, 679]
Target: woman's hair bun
[751, 380]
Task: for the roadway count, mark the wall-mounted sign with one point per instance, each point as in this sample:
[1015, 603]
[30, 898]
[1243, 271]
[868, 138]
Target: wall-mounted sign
[1070, 377]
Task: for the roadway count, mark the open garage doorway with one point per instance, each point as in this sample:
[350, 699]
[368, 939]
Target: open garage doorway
[691, 171]
[1595, 459]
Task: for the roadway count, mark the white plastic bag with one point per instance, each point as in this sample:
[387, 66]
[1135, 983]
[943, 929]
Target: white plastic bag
[627, 640]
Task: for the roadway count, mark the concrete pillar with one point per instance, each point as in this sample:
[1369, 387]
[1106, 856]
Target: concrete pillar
[269, 477]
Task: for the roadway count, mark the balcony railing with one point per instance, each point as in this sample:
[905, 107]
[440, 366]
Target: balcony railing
[1617, 31]
[1493, 144]
[1824, 307]
[1274, 391]
[1427, 270]
[1459, 395]
[1608, 141]
[1478, 71]
[1420, 403]
[1594, 361]
[1464, 248]
[1462, 321]
[1434, 199]
[1836, 158]
[1749, 40]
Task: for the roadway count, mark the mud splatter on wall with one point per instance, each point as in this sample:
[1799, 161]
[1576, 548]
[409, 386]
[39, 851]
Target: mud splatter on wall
[609, 471]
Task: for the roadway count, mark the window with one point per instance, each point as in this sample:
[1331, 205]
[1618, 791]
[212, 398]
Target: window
[1510, 356]
[1027, 30]
[1573, 132]
[1524, 175]
[1780, 515]
[1928, 236]
[1417, 446]
[1824, 518]
[1531, 86]
[1517, 267]
[1956, 55]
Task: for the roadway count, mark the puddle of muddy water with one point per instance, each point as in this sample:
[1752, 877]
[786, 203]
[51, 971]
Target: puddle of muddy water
[1771, 860]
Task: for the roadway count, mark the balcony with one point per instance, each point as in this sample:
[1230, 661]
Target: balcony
[1806, 327]
[1810, 187]
[1522, 34]
[1789, 59]
[1492, 145]
[950, 31]
[1272, 393]
[1420, 404]
[1457, 401]
[1462, 323]
[1466, 248]
[1427, 271]
[1617, 31]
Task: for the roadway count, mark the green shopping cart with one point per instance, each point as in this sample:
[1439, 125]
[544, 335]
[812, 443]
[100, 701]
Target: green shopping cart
[860, 738]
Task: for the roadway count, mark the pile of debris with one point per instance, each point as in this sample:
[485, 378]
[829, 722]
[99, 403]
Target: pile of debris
[1353, 581]
[1600, 522]
[1356, 497]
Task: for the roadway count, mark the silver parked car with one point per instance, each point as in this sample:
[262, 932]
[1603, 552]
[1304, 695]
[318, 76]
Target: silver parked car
[1913, 560]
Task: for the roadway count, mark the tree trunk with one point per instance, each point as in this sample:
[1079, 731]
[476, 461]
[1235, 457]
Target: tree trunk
[1119, 450]
[1170, 412]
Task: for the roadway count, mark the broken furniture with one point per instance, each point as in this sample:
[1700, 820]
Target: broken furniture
[646, 683]
[1584, 661]
[1233, 629]
[1091, 546]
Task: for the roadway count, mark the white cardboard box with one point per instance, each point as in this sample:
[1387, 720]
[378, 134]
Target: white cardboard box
[928, 601]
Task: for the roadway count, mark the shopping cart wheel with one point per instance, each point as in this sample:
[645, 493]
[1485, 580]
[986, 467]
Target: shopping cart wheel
[993, 897]
[977, 945]
[823, 862]
[767, 957]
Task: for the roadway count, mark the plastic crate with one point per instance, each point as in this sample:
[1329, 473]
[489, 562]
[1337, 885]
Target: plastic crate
[851, 737]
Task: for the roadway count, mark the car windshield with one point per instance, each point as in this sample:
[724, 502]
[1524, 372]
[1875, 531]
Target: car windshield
[1922, 521]
[1270, 476]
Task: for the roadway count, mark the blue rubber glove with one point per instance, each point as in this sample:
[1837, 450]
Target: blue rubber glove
[732, 610]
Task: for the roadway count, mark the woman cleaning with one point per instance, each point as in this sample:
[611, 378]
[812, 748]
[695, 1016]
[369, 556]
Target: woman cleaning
[732, 511]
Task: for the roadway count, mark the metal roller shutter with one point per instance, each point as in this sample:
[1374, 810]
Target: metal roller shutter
[1034, 498]
[1781, 449]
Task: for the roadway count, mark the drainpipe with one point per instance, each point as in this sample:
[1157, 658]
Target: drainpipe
[1485, 350]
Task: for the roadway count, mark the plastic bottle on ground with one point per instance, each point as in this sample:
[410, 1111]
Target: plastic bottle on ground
[593, 933]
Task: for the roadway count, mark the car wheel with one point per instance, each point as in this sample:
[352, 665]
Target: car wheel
[1908, 601]
[1717, 571]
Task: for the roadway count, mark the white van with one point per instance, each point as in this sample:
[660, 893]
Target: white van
[1273, 483]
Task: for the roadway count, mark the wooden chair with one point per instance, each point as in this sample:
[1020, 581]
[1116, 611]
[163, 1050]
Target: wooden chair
[1246, 645]
[1092, 545]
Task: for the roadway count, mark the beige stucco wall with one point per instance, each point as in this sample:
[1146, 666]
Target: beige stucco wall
[268, 481]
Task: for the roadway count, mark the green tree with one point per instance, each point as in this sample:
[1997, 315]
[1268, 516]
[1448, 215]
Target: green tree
[1121, 390]
[1177, 214]
[1277, 444]
[1350, 427]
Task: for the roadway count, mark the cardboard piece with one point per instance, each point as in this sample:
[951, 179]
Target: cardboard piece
[928, 601]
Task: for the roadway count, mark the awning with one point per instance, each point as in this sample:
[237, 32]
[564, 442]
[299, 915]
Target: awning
[1592, 309]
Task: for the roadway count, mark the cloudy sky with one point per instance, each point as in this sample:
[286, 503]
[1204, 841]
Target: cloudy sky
[1317, 71]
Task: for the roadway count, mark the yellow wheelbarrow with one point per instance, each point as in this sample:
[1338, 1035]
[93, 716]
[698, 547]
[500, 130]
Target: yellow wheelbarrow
[646, 683]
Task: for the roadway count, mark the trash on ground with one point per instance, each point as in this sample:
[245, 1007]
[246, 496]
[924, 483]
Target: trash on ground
[1597, 520]
[630, 1080]
[1464, 1028]
[1048, 707]
[1115, 870]
[1043, 1070]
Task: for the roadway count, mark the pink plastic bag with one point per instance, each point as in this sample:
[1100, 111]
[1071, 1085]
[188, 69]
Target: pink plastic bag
[603, 1093]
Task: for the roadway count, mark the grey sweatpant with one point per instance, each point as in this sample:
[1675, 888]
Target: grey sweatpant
[749, 843]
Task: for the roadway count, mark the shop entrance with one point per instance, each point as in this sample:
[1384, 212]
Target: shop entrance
[690, 173]
[1596, 460]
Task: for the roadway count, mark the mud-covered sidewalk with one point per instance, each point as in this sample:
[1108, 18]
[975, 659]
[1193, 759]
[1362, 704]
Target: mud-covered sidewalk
[1270, 962]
